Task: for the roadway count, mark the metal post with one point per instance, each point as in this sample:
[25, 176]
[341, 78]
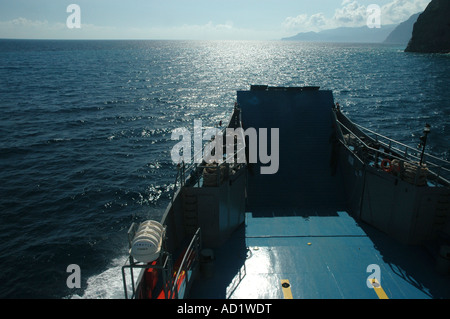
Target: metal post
[124, 283]
[132, 278]
[376, 159]
[423, 140]
[437, 176]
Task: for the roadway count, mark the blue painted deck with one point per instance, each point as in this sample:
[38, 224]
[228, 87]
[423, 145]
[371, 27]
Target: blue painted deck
[297, 227]
[323, 257]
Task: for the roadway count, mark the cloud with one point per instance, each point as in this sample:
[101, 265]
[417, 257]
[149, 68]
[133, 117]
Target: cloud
[400, 10]
[353, 14]
[210, 31]
[22, 22]
[314, 22]
[22, 28]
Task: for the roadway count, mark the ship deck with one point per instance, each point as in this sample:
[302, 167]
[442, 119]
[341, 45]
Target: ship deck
[298, 232]
[321, 255]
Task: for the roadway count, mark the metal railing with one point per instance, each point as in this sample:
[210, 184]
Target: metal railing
[407, 150]
[164, 263]
[188, 263]
[194, 171]
[170, 283]
[392, 149]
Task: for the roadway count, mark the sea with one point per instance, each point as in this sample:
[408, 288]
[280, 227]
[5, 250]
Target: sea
[85, 135]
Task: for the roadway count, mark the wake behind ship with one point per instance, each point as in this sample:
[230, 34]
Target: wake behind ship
[348, 213]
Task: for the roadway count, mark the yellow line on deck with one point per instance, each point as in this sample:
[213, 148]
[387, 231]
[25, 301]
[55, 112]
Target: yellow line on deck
[286, 288]
[379, 290]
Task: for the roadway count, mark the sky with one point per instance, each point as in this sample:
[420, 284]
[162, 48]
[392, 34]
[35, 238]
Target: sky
[191, 19]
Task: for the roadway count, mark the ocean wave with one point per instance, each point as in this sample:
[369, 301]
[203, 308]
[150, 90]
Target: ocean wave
[105, 285]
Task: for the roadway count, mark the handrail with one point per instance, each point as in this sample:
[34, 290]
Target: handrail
[187, 171]
[401, 144]
[418, 158]
[189, 251]
[131, 264]
[346, 146]
[373, 149]
[409, 158]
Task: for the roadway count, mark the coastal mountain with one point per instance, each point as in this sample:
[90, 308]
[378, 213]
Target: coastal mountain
[431, 33]
[346, 34]
[403, 32]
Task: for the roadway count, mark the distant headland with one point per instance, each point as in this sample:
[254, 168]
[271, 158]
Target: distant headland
[426, 32]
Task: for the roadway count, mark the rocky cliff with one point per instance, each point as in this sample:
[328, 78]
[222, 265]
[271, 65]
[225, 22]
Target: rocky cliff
[431, 33]
[403, 32]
